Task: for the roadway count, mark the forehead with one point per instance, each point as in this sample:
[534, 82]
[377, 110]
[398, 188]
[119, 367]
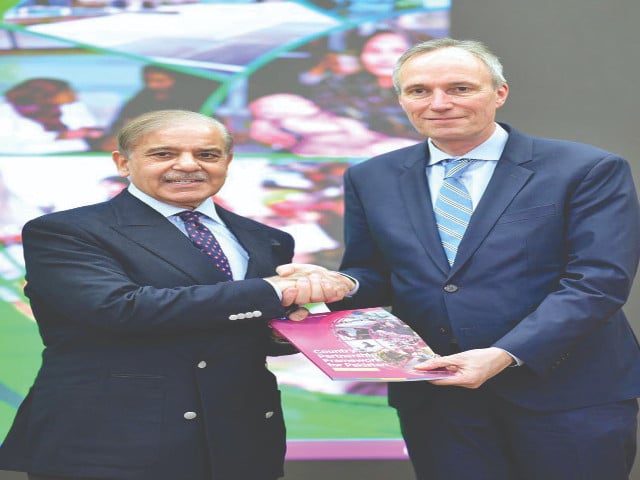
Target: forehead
[448, 63]
[183, 136]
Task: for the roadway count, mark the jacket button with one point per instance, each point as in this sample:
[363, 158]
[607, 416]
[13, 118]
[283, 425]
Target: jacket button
[190, 415]
[202, 364]
[268, 414]
[450, 288]
[443, 331]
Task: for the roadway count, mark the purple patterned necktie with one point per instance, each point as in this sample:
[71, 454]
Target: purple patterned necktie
[202, 238]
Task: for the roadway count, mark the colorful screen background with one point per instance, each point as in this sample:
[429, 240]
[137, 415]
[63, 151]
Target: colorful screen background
[304, 88]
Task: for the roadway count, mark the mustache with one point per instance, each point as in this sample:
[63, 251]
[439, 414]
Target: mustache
[185, 177]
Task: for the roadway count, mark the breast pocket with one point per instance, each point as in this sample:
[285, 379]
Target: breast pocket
[527, 239]
[527, 214]
[543, 232]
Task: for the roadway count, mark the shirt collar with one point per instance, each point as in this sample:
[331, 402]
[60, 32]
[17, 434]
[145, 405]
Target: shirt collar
[207, 207]
[491, 149]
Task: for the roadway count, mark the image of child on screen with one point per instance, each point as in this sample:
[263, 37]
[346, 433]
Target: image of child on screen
[288, 122]
[45, 115]
[331, 69]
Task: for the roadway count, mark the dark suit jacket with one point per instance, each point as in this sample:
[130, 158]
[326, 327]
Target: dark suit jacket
[543, 270]
[136, 325]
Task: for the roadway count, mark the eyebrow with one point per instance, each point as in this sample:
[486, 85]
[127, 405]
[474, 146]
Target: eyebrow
[158, 148]
[161, 148]
[455, 83]
[413, 85]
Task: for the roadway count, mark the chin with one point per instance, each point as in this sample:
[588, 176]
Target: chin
[185, 199]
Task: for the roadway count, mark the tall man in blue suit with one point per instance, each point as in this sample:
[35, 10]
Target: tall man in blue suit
[154, 360]
[523, 300]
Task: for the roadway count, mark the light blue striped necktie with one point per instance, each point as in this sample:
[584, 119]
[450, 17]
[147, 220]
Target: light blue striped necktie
[453, 207]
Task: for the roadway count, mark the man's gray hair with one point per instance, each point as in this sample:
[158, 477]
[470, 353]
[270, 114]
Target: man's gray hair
[474, 47]
[133, 131]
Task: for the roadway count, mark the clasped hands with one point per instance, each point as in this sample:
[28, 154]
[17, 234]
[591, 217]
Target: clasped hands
[305, 283]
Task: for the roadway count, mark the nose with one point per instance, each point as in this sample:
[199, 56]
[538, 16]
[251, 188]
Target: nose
[186, 161]
[440, 100]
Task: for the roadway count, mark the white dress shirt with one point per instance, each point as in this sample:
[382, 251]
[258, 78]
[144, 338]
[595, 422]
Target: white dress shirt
[235, 253]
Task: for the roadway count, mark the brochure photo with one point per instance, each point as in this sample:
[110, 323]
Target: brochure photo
[368, 344]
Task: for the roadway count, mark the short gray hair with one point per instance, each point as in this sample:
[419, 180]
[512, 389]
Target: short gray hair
[140, 126]
[474, 47]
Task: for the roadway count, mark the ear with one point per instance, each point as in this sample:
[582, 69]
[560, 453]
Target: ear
[501, 95]
[121, 162]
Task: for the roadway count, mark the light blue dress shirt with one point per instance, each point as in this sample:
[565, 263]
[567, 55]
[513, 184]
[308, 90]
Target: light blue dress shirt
[477, 175]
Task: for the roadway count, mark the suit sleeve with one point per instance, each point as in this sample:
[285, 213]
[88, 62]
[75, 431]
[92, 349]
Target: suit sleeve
[362, 259]
[73, 277]
[602, 223]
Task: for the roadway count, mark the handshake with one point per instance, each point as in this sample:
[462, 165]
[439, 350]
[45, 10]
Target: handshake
[305, 283]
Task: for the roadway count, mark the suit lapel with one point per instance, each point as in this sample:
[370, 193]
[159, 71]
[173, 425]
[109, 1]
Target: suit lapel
[151, 231]
[417, 200]
[508, 179]
[252, 237]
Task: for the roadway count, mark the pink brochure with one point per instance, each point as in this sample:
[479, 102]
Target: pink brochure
[368, 344]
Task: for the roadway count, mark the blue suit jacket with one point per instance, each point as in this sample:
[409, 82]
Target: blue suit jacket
[543, 270]
[136, 326]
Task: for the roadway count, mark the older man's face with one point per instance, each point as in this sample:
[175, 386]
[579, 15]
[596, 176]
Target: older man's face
[181, 165]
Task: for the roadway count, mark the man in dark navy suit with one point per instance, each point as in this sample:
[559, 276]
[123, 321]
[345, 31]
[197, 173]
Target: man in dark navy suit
[514, 265]
[154, 360]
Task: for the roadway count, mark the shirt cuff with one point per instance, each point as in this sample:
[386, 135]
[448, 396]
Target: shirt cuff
[516, 360]
[354, 290]
[275, 288]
